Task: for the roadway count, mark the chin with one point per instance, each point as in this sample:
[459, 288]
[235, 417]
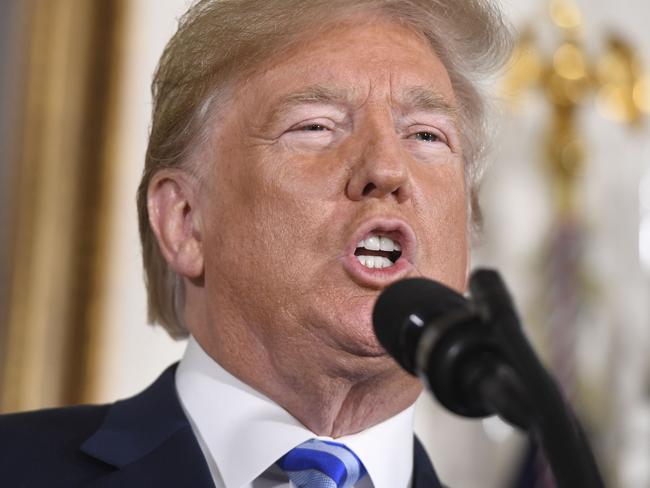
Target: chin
[345, 321]
[365, 348]
[355, 335]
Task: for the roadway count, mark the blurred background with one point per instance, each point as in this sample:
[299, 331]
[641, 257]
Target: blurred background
[566, 204]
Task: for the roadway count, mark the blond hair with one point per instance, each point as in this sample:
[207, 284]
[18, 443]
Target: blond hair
[219, 41]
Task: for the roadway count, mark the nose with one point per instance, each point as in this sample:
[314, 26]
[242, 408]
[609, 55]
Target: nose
[380, 170]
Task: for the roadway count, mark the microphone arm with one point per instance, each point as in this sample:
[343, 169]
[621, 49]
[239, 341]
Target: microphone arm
[551, 421]
[476, 360]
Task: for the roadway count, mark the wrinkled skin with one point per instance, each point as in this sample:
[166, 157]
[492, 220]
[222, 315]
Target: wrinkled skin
[294, 172]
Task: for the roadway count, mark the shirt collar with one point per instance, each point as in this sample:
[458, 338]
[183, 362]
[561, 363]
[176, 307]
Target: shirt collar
[232, 419]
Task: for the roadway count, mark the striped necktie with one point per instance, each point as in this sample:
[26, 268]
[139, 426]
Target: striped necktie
[322, 464]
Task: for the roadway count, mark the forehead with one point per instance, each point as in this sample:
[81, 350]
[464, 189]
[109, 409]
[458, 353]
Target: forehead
[351, 62]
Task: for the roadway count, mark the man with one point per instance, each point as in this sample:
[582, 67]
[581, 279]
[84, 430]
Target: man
[303, 156]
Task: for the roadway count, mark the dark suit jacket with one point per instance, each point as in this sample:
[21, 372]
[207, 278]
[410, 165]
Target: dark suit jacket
[143, 441]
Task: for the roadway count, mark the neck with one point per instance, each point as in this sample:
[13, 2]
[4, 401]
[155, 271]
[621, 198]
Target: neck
[336, 407]
[332, 393]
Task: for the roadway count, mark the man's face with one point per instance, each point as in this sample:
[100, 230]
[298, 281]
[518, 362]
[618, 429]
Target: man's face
[349, 138]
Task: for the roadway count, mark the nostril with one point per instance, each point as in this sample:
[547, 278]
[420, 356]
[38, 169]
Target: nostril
[368, 189]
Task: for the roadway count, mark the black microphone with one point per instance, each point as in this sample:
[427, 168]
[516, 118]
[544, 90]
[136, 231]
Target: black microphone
[475, 358]
[438, 335]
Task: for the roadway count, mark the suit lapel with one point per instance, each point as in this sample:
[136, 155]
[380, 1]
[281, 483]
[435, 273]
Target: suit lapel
[150, 441]
[178, 461]
[424, 476]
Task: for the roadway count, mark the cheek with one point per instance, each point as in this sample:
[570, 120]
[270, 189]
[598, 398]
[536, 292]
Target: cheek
[301, 195]
[275, 209]
[445, 223]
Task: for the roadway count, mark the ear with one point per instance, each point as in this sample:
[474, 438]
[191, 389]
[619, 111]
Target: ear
[175, 220]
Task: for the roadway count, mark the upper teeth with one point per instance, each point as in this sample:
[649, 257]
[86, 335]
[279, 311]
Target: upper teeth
[379, 243]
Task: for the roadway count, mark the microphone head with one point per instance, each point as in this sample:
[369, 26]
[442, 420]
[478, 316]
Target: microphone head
[404, 309]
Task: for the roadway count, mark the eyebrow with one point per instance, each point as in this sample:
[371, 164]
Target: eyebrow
[423, 99]
[312, 95]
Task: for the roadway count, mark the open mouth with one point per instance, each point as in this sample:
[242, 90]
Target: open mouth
[382, 250]
[378, 251]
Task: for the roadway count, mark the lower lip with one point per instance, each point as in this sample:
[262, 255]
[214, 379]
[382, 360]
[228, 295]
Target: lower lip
[376, 277]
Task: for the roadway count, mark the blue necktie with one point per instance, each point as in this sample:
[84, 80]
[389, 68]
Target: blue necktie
[322, 464]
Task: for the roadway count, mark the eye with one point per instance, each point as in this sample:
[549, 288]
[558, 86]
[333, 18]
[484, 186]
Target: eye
[312, 134]
[312, 128]
[315, 126]
[426, 136]
[427, 142]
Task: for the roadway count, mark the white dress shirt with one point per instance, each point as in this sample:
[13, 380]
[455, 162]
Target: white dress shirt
[242, 433]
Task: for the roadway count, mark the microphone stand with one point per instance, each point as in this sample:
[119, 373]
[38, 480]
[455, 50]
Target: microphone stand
[478, 369]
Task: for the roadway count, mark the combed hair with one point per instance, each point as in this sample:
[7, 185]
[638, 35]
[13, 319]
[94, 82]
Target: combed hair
[219, 42]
